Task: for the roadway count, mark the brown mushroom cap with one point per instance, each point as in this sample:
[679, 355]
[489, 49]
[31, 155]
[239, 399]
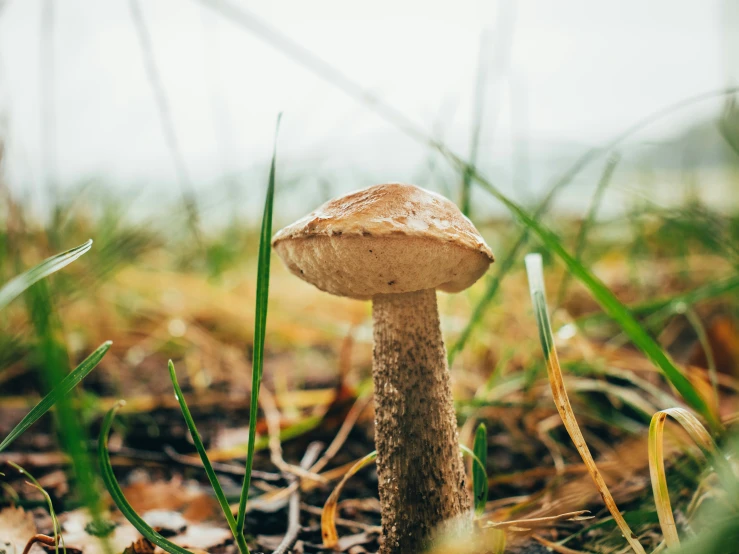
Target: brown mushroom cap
[385, 239]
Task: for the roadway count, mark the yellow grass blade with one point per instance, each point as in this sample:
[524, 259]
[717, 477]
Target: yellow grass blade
[328, 516]
[702, 438]
[561, 400]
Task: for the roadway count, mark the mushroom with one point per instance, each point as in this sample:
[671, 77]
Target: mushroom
[395, 244]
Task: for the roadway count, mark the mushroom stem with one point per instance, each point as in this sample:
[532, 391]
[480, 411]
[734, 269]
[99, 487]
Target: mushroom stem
[419, 466]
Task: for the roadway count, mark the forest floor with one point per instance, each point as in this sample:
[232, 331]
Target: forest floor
[677, 271]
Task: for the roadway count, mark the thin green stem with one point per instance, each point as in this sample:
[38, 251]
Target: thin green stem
[214, 483]
[59, 391]
[260, 325]
[106, 470]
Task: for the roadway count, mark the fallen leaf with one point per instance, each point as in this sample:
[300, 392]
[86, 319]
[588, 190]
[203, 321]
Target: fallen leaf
[16, 529]
[55, 481]
[190, 500]
[723, 338]
[141, 546]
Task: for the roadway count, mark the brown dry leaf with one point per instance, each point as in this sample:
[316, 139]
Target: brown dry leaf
[16, 529]
[55, 483]
[625, 465]
[141, 546]
[723, 338]
[75, 535]
[191, 501]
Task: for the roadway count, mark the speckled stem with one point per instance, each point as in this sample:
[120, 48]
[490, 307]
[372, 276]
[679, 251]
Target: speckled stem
[419, 466]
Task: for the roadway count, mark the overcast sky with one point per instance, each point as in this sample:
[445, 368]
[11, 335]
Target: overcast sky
[571, 71]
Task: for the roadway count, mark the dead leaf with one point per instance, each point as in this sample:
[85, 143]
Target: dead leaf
[723, 338]
[141, 546]
[191, 501]
[55, 481]
[16, 529]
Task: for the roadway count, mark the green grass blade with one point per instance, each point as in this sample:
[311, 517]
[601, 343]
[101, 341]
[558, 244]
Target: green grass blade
[479, 474]
[17, 285]
[53, 370]
[611, 305]
[476, 464]
[701, 437]
[58, 538]
[508, 260]
[62, 389]
[220, 495]
[117, 494]
[260, 325]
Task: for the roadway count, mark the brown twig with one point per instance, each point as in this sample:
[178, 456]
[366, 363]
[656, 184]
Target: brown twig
[538, 522]
[315, 510]
[43, 539]
[343, 433]
[273, 417]
[556, 547]
[293, 511]
[229, 469]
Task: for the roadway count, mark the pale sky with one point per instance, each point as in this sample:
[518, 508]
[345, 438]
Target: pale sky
[577, 72]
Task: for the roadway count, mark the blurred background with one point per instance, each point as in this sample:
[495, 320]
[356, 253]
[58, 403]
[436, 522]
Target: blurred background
[149, 127]
[153, 98]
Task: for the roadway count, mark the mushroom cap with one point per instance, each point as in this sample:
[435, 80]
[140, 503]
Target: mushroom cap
[385, 239]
